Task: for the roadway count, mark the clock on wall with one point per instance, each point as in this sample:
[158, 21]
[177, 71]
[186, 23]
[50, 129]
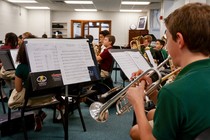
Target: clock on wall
[132, 26]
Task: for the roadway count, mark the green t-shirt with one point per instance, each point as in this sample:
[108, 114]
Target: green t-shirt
[22, 72]
[182, 108]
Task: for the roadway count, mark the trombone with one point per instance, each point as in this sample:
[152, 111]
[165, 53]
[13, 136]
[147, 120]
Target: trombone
[99, 111]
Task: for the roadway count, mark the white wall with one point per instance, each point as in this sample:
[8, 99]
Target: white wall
[12, 19]
[120, 21]
[19, 20]
[166, 8]
[39, 22]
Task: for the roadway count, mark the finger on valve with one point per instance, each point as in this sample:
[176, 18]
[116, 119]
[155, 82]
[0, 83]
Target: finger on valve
[135, 74]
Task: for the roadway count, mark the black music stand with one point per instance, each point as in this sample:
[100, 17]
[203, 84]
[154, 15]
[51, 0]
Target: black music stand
[7, 60]
[52, 53]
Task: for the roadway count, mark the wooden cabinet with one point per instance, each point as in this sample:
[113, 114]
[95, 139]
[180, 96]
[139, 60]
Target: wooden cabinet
[134, 33]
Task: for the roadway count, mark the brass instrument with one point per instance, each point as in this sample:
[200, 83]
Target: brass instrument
[170, 74]
[99, 111]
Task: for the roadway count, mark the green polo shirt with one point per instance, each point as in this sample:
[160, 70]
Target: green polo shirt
[164, 53]
[183, 106]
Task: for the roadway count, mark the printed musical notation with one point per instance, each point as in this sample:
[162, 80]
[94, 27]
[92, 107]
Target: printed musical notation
[72, 57]
[130, 61]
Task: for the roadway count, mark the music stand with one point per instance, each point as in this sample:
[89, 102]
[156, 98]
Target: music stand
[71, 61]
[7, 60]
[130, 60]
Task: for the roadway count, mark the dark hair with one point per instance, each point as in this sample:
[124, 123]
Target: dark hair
[193, 22]
[104, 32]
[11, 39]
[20, 37]
[21, 55]
[111, 39]
[161, 42]
[44, 36]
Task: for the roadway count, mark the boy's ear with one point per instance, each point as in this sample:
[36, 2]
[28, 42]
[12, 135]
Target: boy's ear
[180, 40]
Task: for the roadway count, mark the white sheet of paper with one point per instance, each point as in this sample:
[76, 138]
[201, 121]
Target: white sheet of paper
[125, 62]
[72, 64]
[139, 60]
[71, 56]
[13, 53]
[42, 55]
[149, 54]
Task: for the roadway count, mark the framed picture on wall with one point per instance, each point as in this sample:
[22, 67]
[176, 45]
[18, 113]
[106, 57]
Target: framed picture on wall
[142, 23]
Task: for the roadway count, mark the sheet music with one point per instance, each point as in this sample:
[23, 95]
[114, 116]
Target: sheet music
[139, 60]
[83, 47]
[42, 55]
[130, 61]
[125, 62]
[149, 54]
[71, 56]
[13, 53]
[73, 62]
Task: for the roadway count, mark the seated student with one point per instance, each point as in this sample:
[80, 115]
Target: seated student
[100, 47]
[11, 42]
[105, 59]
[161, 53]
[21, 75]
[147, 39]
[180, 105]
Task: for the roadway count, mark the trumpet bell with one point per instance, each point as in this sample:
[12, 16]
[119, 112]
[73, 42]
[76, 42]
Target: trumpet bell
[95, 112]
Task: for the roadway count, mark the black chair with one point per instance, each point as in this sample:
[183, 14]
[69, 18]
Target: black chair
[30, 95]
[2, 100]
[78, 94]
[205, 135]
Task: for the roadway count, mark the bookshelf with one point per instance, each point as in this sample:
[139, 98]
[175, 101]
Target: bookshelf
[60, 28]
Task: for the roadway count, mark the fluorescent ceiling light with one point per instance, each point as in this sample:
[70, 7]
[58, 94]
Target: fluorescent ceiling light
[135, 3]
[79, 2]
[130, 10]
[30, 7]
[86, 10]
[23, 1]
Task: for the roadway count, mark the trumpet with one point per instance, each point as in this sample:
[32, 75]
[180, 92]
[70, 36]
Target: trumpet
[99, 111]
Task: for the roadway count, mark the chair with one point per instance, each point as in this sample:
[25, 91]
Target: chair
[205, 135]
[30, 95]
[2, 100]
[78, 93]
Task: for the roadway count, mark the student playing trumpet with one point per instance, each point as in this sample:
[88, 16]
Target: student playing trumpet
[179, 113]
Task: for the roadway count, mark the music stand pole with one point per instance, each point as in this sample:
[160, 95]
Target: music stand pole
[66, 113]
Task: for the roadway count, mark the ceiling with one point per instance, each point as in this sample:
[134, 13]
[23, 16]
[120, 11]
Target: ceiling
[100, 5]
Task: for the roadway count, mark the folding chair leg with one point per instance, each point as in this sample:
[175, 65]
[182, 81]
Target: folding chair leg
[24, 125]
[54, 113]
[2, 100]
[81, 117]
[9, 119]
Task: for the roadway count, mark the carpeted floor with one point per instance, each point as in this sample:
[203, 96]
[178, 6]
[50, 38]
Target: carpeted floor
[116, 127]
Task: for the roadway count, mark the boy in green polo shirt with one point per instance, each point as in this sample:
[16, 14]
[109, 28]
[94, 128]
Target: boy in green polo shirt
[181, 108]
